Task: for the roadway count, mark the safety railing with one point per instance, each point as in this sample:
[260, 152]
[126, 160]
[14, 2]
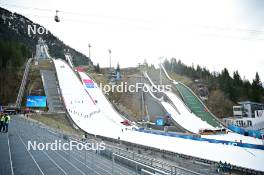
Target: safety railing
[120, 156]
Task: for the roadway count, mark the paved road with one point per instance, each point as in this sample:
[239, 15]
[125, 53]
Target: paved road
[4, 155]
[16, 159]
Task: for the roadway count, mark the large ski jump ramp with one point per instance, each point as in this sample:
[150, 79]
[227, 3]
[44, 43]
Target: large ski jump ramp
[95, 120]
[194, 103]
[187, 114]
[181, 115]
[81, 108]
[191, 122]
[186, 119]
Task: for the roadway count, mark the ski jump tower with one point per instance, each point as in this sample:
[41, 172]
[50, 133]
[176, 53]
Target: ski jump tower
[41, 54]
[42, 50]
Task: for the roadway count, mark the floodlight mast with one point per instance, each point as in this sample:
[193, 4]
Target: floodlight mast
[89, 46]
[160, 59]
[56, 18]
[110, 66]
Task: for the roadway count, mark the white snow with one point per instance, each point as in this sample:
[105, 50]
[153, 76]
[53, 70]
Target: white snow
[80, 107]
[234, 137]
[97, 94]
[182, 114]
[186, 118]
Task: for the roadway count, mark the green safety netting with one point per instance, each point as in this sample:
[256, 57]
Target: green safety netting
[196, 106]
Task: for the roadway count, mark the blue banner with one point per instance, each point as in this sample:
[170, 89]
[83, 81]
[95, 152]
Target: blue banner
[236, 129]
[198, 138]
[247, 132]
[36, 101]
[160, 122]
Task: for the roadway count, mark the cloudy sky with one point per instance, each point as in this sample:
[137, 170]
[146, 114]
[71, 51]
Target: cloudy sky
[212, 33]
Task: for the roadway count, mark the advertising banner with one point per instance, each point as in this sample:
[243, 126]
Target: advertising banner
[89, 83]
[160, 122]
[36, 101]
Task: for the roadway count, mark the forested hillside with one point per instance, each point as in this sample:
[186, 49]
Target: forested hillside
[12, 58]
[14, 27]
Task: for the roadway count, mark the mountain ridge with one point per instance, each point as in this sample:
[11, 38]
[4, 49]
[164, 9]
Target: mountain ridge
[14, 27]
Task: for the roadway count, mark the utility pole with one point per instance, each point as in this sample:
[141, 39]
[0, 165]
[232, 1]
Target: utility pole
[160, 70]
[109, 50]
[89, 46]
[160, 77]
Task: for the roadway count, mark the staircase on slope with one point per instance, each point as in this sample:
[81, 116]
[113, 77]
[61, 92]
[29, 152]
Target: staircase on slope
[23, 83]
[51, 88]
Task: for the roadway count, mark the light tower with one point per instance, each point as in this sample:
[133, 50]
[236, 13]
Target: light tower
[160, 59]
[110, 66]
[89, 46]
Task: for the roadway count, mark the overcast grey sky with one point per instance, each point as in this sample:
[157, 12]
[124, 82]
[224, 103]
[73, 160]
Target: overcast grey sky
[212, 33]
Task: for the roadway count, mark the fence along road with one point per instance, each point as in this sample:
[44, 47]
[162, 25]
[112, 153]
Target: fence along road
[22, 161]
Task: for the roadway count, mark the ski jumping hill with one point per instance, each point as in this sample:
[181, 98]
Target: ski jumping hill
[93, 119]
